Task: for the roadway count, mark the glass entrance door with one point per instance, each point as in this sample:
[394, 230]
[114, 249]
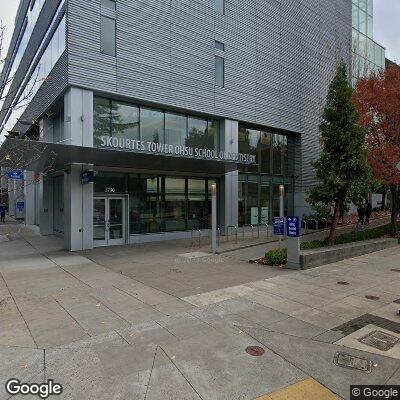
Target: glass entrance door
[108, 221]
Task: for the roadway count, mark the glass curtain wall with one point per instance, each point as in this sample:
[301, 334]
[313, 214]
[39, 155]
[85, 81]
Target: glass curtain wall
[160, 203]
[259, 184]
[126, 120]
[368, 55]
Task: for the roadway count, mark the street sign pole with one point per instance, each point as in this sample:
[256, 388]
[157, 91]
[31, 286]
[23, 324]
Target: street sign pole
[293, 242]
[281, 207]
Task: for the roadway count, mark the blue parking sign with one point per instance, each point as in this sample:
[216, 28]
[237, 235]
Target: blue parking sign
[293, 226]
[279, 226]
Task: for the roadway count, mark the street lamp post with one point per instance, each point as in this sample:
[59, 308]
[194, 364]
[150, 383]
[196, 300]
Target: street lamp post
[214, 217]
[281, 206]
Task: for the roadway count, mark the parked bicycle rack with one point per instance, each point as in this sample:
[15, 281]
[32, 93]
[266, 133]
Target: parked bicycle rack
[236, 232]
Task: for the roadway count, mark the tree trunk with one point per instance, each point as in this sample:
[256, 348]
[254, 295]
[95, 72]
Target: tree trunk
[383, 205]
[394, 204]
[335, 222]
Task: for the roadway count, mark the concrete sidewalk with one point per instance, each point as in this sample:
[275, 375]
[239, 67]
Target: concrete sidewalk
[85, 321]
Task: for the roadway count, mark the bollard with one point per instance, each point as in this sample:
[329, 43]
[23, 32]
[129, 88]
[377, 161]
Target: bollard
[199, 237]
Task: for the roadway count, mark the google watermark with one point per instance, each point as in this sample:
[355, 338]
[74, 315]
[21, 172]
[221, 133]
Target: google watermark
[375, 392]
[43, 390]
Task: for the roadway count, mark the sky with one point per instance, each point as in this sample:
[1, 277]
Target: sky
[386, 29]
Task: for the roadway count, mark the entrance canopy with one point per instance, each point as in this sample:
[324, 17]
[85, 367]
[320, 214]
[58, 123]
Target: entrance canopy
[41, 156]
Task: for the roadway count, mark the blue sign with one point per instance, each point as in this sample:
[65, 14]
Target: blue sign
[16, 174]
[20, 205]
[293, 226]
[88, 176]
[279, 226]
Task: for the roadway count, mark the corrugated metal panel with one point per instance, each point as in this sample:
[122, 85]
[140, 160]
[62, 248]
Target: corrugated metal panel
[280, 56]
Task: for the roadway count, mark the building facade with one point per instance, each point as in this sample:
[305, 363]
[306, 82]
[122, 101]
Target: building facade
[162, 99]
[368, 55]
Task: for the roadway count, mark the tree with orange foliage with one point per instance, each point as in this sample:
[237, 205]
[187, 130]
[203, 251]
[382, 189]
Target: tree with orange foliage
[378, 100]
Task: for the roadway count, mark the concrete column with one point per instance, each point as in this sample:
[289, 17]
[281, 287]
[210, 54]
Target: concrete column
[29, 194]
[78, 209]
[229, 190]
[46, 205]
[46, 130]
[78, 114]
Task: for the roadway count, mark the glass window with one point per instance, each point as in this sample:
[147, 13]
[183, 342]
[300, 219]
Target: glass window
[249, 143]
[219, 46]
[242, 203]
[125, 120]
[151, 125]
[175, 129]
[197, 204]
[108, 36]
[265, 145]
[265, 203]
[108, 4]
[114, 181]
[370, 26]
[197, 132]
[219, 71]
[212, 138]
[252, 216]
[175, 204]
[362, 22]
[220, 6]
[279, 151]
[101, 119]
[144, 204]
[370, 7]
[355, 17]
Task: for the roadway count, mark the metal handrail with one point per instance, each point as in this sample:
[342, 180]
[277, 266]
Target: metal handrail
[316, 223]
[305, 223]
[236, 232]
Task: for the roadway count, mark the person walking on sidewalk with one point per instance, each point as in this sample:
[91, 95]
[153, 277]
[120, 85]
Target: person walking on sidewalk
[368, 211]
[361, 213]
[2, 212]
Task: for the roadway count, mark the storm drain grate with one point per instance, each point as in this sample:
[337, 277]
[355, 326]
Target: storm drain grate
[344, 283]
[379, 340]
[397, 301]
[348, 361]
[367, 319]
[395, 270]
[255, 351]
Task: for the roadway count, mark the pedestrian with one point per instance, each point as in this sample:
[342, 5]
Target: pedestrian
[2, 212]
[360, 212]
[368, 211]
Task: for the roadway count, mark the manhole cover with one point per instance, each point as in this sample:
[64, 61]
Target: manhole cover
[343, 283]
[380, 340]
[370, 297]
[348, 361]
[255, 351]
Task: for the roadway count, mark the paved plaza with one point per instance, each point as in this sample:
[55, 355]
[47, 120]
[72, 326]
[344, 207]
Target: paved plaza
[168, 321]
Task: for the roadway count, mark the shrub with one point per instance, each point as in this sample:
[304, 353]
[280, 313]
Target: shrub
[279, 256]
[276, 257]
